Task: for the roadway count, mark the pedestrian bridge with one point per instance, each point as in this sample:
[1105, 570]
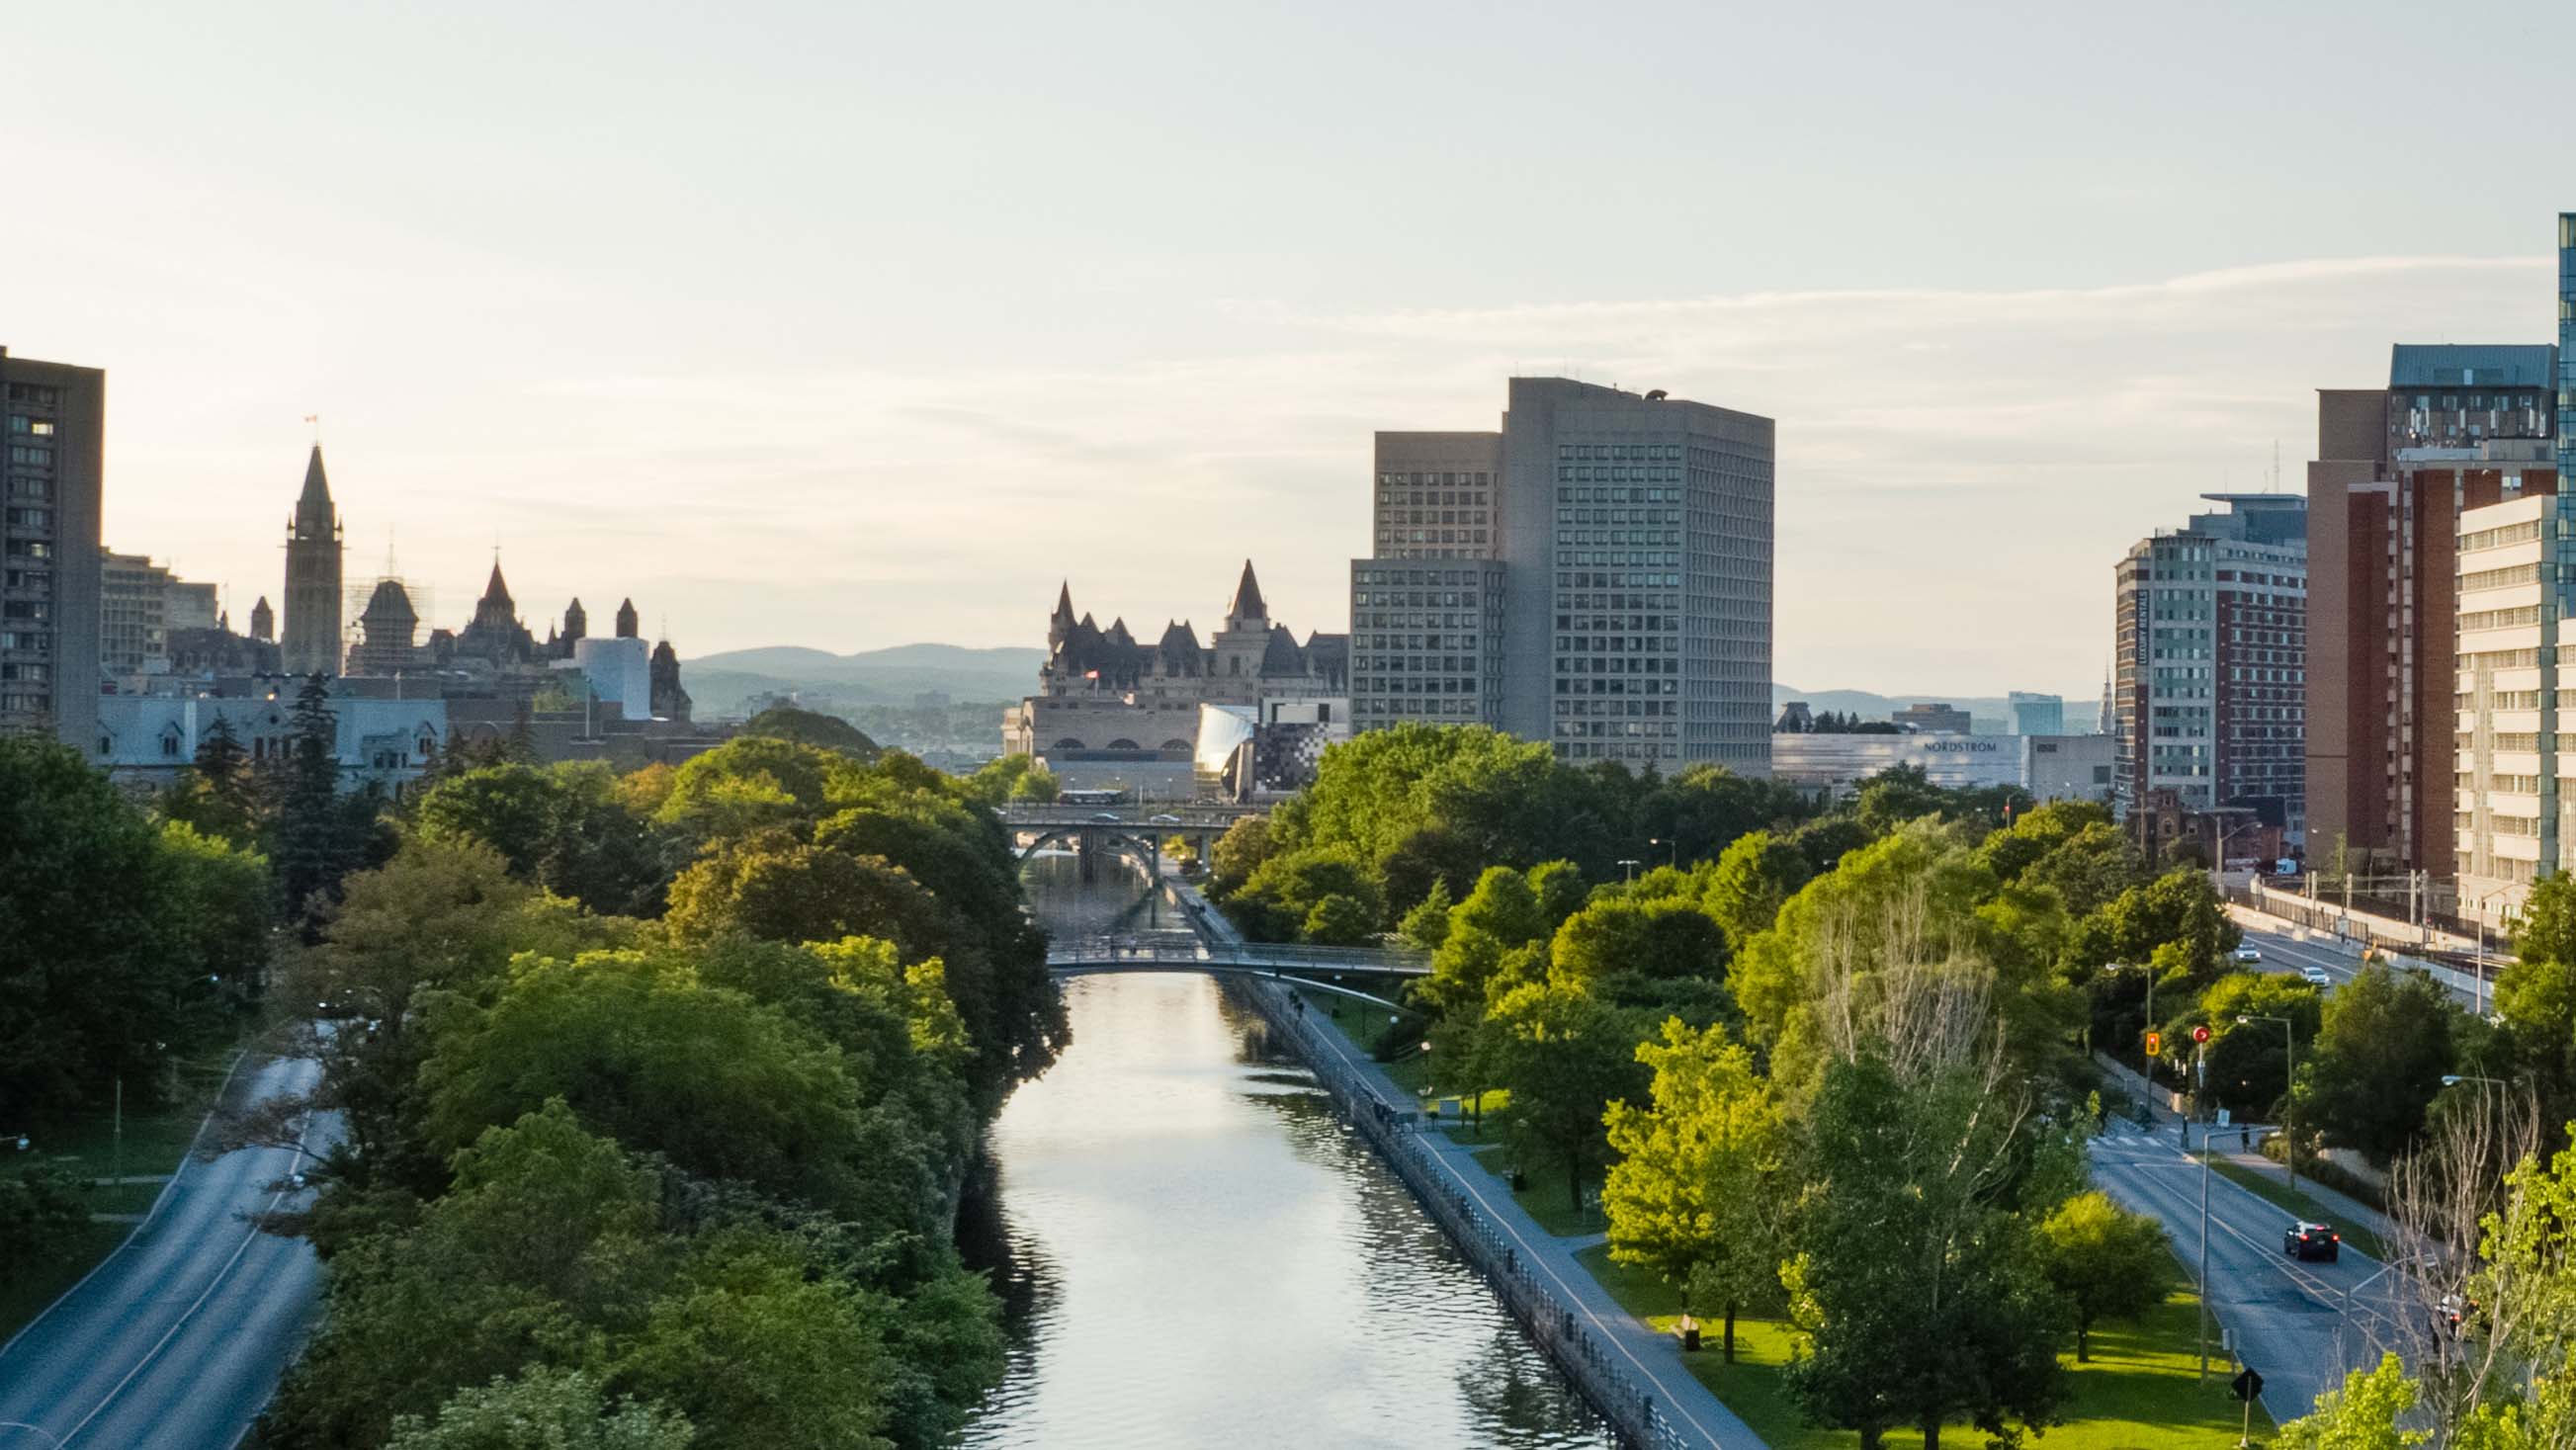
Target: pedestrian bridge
[1315, 967]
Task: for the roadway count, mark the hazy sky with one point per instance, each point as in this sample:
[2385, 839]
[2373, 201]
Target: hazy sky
[857, 325]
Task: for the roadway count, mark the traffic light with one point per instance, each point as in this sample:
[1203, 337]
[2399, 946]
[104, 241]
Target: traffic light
[2155, 1044]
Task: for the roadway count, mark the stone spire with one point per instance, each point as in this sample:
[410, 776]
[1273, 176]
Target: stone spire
[497, 590]
[1247, 602]
[626, 624]
[576, 623]
[263, 620]
[311, 644]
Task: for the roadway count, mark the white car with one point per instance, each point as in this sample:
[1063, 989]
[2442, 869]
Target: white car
[2249, 953]
[2316, 976]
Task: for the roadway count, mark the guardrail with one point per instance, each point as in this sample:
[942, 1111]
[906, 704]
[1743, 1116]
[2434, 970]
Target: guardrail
[1113, 949]
[1552, 1324]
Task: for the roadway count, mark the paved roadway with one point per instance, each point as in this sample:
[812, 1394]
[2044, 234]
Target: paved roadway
[2284, 951]
[177, 1339]
[2287, 1315]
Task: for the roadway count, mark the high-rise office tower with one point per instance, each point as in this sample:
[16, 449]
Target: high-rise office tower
[2458, 427]
[2035, 714]
[1597, 575]
[312, 641]
[54, 415]
[2210, 657]
[133, 612]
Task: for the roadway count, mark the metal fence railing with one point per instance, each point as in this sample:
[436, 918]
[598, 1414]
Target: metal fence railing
[1600, 1371]
[1092, 949]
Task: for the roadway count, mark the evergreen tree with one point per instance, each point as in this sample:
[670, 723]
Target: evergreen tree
[313, 839]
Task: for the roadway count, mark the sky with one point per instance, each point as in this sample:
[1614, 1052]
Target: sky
[852, 326]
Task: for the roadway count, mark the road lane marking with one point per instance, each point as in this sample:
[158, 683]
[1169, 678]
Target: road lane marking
[217, 1282]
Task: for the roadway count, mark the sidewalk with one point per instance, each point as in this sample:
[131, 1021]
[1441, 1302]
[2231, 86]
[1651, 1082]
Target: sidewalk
[1651, 1361]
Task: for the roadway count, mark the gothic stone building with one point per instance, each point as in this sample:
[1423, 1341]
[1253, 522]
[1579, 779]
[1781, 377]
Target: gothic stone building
[1105, 695]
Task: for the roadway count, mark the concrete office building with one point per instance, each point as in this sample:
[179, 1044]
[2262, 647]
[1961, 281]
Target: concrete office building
[2069, 767]
[133, 612]
[2458, 427]
[2037, 714]
[2209, 657]
[54, 415]
[1597, 575]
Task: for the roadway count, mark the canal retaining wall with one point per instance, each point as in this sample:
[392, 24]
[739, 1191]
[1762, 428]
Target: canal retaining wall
[1562, 1329]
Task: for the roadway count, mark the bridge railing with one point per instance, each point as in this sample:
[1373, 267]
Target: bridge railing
[1255, 954]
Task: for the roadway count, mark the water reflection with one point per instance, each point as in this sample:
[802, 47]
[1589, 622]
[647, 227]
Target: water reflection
[1193, 1250]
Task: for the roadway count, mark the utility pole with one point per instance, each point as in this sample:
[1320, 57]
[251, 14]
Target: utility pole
[2203, 1060]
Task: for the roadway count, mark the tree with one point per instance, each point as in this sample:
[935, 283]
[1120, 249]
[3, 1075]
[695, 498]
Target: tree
[2380, 1056]
[43, 1213]
[807, 727]
[1340, 921]
[2178, 908]
[1916, 1292]
[2368, 1413]
[1658, 940]
[1242, 850]
[1564, 1058]
[219, 796]
[2249, 1062]
[1037, 787]
[816, 1349]
[2108, 1262]
[1755, 874]
[1694, 1191]
[1501, 915]
[543, 1409]
[1426, 926]
[102, 967]
[309, 841]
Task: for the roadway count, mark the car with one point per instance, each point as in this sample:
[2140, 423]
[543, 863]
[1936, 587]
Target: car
[2311, 1241]
[2249, 953]
[1163, 820]
[2315, 976]
[1106, 818]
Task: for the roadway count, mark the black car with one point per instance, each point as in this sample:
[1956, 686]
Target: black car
[2311, 1241]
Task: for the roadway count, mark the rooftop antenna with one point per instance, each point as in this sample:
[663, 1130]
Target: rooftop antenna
[2276, 465]
[316, 420]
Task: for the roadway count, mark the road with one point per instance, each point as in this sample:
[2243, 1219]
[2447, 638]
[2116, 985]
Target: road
[2284, 951]
[2287, 1315]
[177, 1339]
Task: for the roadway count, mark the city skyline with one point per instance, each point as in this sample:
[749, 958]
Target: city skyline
[780, 382]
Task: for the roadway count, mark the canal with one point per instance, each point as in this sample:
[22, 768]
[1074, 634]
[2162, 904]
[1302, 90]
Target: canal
[1193, 1251]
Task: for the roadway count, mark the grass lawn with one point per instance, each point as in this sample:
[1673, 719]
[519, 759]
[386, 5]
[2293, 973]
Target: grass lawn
[1544, 1199]
[2140, 1392]
[2274, 1188]
[155, 1142]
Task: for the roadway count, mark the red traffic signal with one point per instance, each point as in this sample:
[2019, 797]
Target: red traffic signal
[2200, 1034]
[2155, 1044]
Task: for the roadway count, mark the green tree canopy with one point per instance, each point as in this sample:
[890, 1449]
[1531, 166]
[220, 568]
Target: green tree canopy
[2380, 1055]
[2108, 1262]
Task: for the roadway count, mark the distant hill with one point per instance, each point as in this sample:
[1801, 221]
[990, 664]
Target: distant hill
[721, 683]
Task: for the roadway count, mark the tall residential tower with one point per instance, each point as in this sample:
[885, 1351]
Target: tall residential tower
[49, 551]
[2211, 657]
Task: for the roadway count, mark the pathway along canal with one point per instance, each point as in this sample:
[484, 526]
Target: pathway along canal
[1192, 1250]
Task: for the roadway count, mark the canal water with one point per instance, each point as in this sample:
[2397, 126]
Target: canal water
[1192, 1251]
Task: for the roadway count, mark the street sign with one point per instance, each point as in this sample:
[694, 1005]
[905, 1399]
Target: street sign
[2155, 1044]
[2200, 1033]
[2247, 1385]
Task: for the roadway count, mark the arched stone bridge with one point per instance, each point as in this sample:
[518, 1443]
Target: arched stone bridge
[1315, 967]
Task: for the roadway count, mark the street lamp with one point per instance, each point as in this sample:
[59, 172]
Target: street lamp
[2478, 993]
[1672, 849]
[20, 1141]
[2289, 1101]
[1631, 863]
